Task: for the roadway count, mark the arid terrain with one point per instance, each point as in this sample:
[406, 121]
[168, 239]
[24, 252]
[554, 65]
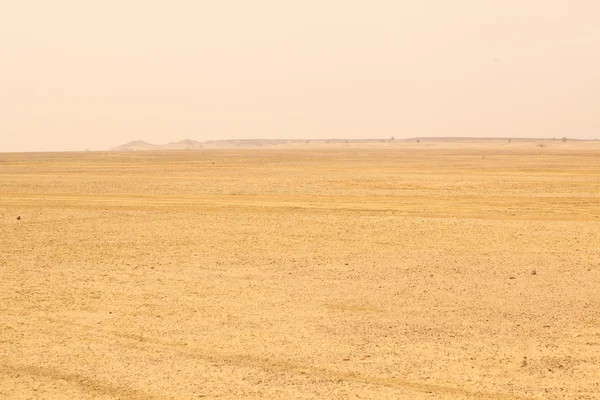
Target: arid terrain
[439, 270]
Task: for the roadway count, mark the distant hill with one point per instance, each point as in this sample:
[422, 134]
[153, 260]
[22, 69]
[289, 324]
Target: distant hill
[135, 145]
[185, 144]
[140, 145]
[188, 144]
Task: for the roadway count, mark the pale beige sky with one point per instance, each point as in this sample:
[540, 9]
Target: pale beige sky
[80, 74]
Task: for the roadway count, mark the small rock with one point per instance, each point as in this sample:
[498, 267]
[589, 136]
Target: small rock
[512, 277]
[524, 362]
[19, 218]
[533, 272]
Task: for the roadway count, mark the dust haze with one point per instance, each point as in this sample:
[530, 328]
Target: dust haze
[78, 75]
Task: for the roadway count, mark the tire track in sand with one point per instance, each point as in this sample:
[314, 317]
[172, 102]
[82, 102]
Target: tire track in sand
[142, 342]
[86, 383]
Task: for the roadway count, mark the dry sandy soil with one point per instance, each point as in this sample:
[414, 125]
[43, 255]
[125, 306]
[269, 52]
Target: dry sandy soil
[399, 271]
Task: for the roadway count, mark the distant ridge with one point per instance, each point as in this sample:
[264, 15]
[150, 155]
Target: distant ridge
[134, 145]
[140, 145]
[188, 144]
[185, 144]
[484, 139]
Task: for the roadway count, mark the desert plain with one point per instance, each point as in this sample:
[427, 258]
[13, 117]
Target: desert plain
[432, 270]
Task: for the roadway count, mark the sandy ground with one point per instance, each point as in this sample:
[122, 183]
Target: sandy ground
[400, 271]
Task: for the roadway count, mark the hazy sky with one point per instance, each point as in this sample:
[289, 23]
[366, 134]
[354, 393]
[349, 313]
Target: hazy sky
[78, 74]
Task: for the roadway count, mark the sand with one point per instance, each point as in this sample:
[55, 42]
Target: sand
[399, 271]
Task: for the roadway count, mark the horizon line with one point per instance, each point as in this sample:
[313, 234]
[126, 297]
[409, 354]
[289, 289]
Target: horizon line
[290, 141]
